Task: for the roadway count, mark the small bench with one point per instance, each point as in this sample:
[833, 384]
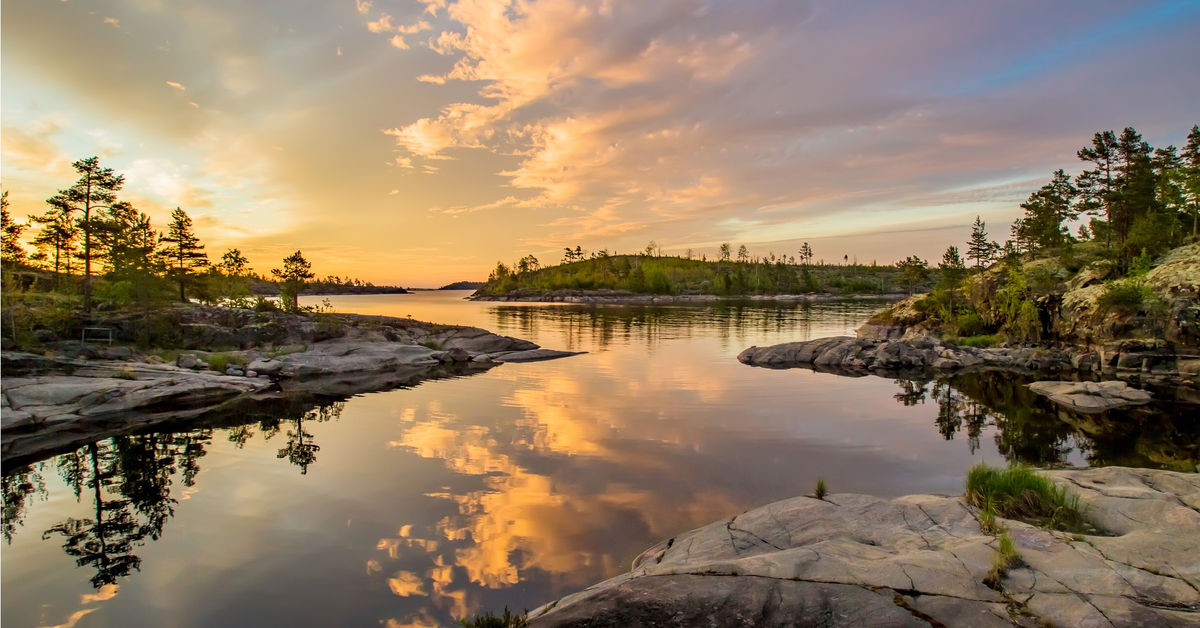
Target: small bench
[97, 334]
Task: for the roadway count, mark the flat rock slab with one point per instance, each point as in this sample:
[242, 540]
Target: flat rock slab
[1091, 396]
[857, 560]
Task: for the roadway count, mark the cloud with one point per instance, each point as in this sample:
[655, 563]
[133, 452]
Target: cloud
[420, 25]
[398, 42]
[363, 6]
[178, 86]
[381, 25]
[113, 22]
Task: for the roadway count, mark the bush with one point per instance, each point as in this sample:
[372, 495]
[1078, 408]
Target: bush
[1017, 492]
[265, 305]
[1122, 297]
[969, 324]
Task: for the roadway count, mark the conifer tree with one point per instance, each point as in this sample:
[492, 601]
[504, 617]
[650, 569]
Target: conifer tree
[95, 189]
[1045, 212]
[184, 252]
[980, 248]
[10, 234]
[1096, 185]
[58, 232]
[1191, 157]
[295, 273]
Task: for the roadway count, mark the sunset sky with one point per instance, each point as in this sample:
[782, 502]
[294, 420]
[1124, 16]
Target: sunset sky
[417, 142]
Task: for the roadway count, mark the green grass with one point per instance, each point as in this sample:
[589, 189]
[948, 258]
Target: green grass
[821, 491]
[1017, 492]
[488, 620]
[430, 343]
[1006, 557]
[219, 361]
[979, 342]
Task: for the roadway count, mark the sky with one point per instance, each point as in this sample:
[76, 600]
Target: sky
[418, 142]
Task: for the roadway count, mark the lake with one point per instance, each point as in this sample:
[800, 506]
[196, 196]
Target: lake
[418, 506]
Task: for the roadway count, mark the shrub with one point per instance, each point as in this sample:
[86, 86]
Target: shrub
[430, 343]
[262, 304]
[1122, 297]
[821, 491]
[126, 374]
[969, 324]
[1017, 492]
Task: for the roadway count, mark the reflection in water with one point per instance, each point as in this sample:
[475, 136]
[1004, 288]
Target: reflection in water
[532, 480]
[1033, 430]
[591, 326]
[127, 480]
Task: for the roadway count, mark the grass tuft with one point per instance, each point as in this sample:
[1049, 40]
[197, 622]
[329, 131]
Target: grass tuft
[489, 620]
[126, 374]
[219, 361]
[1006, 557]
[821, 491]
[430, 343]
[1017, 492]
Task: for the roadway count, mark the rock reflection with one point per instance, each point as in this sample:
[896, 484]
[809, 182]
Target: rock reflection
[1033, 430]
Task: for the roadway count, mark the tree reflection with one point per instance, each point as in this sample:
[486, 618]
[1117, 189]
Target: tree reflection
[300, 449]
[19, 488]
[128, 481]
[1033, 430]
[104, 542]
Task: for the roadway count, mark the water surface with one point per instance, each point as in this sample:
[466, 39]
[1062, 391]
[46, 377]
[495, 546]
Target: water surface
[418, 506]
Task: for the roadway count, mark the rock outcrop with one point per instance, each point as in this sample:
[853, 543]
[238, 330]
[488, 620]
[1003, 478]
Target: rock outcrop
[50, 403]
[920, 560]
[1091, 396]
[48, 410]
[847, 355]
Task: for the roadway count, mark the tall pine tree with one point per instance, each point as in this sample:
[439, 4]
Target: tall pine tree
[183, 251]
[95, 189]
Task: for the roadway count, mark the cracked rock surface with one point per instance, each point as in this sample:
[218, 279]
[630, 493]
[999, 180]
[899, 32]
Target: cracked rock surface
[919, 560]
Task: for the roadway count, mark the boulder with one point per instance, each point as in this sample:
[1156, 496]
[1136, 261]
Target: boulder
[187, 361]
[1091, 396]
[919, 560]
[265, 367]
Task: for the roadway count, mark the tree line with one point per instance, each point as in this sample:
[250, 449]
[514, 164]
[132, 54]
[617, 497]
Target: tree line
[90, 240]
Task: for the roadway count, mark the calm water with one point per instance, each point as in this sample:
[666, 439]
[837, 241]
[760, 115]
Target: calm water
[417, 506]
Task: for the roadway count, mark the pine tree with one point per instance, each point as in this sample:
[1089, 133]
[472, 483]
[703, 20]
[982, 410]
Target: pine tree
[96, 189]
[58, 232]
[1045, 212]
[913, 269]
[185, 254]
[980, 248]
[295, 273]
[1096, 185]
[1191, 157]
[10, 234]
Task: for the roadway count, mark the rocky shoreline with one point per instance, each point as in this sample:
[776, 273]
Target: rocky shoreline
[78, 392]
[1146, 361]
[918, 560]
[621, 297]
